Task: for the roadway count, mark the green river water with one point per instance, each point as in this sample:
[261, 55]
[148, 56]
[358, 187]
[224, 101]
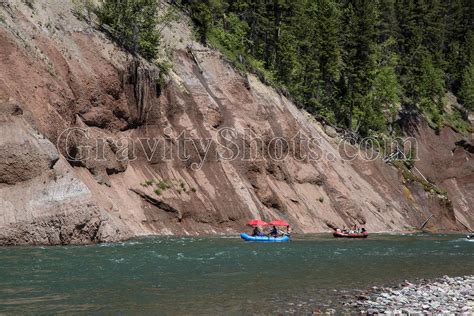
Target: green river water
[219, 275]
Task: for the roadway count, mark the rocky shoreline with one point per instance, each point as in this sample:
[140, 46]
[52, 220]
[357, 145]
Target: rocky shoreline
[447, 296]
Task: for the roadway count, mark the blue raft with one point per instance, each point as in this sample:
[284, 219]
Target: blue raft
[247, 237]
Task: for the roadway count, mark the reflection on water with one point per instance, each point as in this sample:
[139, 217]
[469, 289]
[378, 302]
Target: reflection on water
[215, 275]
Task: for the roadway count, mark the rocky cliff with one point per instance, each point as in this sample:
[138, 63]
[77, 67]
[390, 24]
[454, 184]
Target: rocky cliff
[96, 145]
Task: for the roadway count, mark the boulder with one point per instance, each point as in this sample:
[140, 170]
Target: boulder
[330, 131]
[24, 153]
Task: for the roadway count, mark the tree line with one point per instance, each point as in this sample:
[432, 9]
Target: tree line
[358, 62]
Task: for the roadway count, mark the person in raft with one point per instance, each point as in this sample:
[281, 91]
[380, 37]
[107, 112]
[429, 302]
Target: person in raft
[257, 231]
[274, 232]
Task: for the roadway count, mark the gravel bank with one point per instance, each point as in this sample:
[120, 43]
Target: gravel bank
[447, 295]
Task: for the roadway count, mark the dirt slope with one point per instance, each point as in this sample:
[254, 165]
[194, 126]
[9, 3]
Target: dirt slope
[57, 73]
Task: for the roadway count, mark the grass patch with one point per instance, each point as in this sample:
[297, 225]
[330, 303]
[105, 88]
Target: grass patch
[457, 122]
[163, 185]
[147, 183]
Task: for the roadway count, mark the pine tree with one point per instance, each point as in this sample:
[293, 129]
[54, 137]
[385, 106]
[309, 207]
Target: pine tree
[201, 14]
[329, 44]
[453, 48]
[389, 22]
[467, 87]
[386, 91]
[360, 44]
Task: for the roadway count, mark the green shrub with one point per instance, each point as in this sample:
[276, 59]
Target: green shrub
[157, 191]
[456, 121]
[133, 24]
[30, 4]
[147, 183]
[410, 177]
[432, 112]
[163, 185]
[410, 159]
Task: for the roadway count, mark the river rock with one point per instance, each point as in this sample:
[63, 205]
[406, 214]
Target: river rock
[362, 297]
[446, 295]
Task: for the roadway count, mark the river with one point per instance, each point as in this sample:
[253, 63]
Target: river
[217, 275]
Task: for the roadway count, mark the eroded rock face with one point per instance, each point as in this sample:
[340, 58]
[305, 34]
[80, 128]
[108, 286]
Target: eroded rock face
[446, 158]
[95, 149]
[41, 200]
[83, 225]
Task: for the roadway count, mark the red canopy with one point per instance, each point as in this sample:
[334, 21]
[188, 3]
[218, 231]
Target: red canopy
[257, 222]
[278, 222]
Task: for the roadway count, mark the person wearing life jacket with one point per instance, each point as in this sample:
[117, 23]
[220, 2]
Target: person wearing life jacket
[257, 231]
[274, 232]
